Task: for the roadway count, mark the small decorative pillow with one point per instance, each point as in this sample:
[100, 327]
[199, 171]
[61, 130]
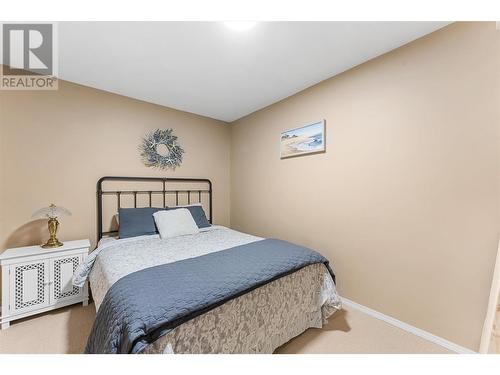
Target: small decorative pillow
[197, 212]
[173, 223]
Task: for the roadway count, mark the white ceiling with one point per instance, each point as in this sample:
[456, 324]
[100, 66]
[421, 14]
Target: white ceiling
[208, 69]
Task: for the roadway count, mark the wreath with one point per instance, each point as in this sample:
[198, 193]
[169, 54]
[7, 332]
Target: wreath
[154, 155]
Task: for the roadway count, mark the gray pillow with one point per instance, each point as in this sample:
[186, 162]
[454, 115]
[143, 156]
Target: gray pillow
[137, 221]
[197, 213]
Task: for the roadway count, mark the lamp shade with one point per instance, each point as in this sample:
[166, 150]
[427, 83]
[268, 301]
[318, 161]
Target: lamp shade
[50, 212]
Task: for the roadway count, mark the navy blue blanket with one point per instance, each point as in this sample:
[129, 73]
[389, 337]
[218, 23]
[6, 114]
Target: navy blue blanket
[145, 305]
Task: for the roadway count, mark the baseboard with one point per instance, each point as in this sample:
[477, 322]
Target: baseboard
[409, 328]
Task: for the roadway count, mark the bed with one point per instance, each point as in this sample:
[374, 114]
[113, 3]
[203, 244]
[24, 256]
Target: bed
[215, 291]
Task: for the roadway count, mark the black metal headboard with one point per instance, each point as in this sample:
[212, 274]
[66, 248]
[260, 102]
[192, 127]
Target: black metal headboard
[190, 195]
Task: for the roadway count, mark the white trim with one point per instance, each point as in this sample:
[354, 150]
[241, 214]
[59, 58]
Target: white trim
[491, 312]
[409, 328]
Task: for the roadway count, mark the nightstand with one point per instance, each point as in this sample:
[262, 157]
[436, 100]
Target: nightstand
[36, 280]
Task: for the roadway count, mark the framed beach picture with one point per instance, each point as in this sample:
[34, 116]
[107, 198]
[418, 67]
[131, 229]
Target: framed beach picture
[308, 139]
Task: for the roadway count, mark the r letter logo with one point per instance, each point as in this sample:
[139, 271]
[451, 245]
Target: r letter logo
[28, 57]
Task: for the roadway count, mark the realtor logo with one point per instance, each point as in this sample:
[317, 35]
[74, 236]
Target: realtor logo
[28, 57]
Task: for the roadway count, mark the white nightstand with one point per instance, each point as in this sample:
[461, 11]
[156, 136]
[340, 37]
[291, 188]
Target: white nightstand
[35, 280]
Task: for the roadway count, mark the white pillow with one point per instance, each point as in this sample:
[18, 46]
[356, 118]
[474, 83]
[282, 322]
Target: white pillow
[173, 223]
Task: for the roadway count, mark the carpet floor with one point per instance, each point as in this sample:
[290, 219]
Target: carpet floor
[349, 331]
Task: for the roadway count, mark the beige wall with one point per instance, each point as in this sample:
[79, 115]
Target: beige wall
[54, 146]
[405, 200]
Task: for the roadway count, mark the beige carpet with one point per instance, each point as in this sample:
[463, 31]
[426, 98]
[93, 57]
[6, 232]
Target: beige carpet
[350, 331]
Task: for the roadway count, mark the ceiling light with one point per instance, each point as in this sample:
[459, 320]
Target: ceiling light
[240, 25]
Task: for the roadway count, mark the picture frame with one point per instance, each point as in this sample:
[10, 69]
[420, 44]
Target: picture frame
[305, 140]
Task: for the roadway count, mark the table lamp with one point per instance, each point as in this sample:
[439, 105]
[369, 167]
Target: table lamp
[51, 212]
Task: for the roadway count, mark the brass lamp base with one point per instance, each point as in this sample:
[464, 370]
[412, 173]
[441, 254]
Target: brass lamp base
[52, 241]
